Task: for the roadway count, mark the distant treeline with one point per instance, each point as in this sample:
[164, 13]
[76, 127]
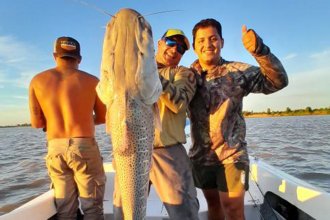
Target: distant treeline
[268, 113]
[288, 112]
[18, 125]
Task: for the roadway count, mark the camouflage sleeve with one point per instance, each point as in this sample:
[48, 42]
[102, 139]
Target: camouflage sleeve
[273, 71]
[179, 85]
[268, 78]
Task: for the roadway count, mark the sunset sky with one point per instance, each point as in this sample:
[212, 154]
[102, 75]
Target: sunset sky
[297, 32]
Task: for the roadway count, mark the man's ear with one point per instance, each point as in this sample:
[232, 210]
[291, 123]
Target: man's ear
[158, 43]
[222, 42]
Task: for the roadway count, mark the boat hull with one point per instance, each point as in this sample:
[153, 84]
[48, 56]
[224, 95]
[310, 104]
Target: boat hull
[301, 199]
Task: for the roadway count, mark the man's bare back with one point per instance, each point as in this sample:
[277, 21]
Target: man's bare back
[63, 99]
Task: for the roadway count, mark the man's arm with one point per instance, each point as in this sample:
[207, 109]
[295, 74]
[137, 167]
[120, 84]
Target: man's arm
[100, 111]
[178, 93]
[36, 115]
[275, 77]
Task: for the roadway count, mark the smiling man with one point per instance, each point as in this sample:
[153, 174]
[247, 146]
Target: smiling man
[171, 171]
[219, 150]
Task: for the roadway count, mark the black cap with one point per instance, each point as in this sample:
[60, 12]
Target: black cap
[67, 47]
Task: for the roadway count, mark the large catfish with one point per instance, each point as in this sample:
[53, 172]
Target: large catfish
[129, 86]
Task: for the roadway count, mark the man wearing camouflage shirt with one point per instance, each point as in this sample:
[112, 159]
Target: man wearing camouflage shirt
[219, 150]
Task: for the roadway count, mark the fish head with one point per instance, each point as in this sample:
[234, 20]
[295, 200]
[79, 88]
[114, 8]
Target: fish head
[133, 65]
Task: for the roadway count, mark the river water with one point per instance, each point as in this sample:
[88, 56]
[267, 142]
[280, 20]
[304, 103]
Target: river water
[299, 146]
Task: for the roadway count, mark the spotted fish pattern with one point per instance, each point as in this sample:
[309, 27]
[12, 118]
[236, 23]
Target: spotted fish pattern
[129, 86]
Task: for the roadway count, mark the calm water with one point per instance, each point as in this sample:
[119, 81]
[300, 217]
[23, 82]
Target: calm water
[299, 146]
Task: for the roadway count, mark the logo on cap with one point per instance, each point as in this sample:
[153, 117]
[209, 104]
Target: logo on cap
[68, 45]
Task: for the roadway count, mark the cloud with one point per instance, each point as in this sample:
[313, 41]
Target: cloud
[307, 88]
[17, 67]
[308, 85]
[290, 56]
[12, 51]
[17, 64]
[323, 55]
[20, 97]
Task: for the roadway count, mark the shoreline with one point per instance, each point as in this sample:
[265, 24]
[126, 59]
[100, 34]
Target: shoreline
[265, 115]
[245, 115]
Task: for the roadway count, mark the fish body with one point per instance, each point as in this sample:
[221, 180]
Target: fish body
[129, 86]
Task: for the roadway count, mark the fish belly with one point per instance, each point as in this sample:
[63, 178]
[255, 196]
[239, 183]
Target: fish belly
[132, 135]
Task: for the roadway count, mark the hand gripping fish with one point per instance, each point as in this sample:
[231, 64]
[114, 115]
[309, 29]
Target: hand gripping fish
[129, 86]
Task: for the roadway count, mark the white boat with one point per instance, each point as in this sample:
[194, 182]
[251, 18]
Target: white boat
[273, 194]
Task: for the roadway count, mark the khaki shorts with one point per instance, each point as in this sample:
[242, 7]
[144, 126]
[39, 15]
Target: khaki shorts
[76, 169]
[231, 177]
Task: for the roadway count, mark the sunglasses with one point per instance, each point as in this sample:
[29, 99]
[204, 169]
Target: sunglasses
[171, 43]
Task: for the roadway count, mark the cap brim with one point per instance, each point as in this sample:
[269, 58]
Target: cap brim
[69, 55]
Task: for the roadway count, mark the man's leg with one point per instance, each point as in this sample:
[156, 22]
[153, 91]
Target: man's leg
[172, 178]
[233, 205]
[66, 195]
[232, 199]
[215, 211]
[86, 162]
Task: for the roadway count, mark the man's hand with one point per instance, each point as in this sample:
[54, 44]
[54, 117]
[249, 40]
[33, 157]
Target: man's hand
[249, 38]
[253, 43]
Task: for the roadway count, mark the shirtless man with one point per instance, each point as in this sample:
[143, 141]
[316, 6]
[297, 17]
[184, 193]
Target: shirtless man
[62, 101]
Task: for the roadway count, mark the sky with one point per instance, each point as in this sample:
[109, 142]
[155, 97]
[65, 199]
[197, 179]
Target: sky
[297, 32]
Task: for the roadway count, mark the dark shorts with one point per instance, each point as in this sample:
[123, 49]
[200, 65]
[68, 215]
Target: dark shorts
[231, 177]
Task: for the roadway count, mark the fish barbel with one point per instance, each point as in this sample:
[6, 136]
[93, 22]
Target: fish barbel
[129, 86]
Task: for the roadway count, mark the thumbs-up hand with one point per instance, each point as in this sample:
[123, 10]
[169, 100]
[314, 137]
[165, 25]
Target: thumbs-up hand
[253, 43]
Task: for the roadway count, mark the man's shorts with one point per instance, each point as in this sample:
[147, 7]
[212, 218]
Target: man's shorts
[231, 177]
[75, 167]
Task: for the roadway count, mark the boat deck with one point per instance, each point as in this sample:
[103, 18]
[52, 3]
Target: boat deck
[291, 198]
[156, 209]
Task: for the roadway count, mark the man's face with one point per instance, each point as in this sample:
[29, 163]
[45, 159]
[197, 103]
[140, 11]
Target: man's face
[208, 45]
[168, 51]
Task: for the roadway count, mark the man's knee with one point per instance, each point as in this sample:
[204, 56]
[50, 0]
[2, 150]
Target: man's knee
[233, 207]
[118, 213]
[92, 209]
[182, 212]
[66, 209]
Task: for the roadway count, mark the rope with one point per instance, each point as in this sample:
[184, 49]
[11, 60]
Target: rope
[107, 13]
[161, 12]
[93, 7]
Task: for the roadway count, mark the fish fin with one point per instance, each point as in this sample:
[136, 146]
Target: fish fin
[146, 76]
[105, 86]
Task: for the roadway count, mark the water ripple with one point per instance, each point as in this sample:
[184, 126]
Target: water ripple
[299, 146]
